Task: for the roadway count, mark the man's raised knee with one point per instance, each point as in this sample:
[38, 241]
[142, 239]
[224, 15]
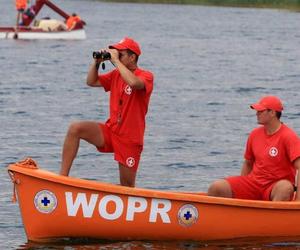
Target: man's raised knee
[220, 188]
[74, 128]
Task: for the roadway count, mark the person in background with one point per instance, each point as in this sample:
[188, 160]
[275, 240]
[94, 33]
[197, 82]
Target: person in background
[72, 21]
[130, 89]
[21, 6]
[272, 157]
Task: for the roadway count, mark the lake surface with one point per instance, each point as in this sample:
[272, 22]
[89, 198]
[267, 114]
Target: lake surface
[209, 63]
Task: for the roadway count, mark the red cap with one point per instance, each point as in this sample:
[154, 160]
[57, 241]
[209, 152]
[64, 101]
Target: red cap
[127, 43]
[268, 102]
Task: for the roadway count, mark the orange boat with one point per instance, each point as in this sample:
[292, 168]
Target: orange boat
[54, 206]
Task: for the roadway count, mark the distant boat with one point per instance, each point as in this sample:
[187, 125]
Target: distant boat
[28, 31]
[54, 206]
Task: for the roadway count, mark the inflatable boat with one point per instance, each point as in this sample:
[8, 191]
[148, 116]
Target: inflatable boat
[54, 207]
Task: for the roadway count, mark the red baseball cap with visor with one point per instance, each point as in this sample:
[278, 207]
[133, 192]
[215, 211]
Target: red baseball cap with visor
[268, 102]
[127, 43]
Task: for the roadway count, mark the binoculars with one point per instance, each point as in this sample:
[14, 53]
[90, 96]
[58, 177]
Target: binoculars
[101, 55]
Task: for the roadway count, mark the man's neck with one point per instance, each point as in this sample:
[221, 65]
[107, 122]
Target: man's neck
[132, 67]
[273, 127]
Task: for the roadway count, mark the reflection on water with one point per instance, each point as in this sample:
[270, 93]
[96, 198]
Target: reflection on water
[138, 245]
[209, 65]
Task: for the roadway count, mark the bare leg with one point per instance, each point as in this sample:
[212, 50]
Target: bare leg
[17, 25]
[220, 188]
[88, 131]
[282, 191]
[127, 176]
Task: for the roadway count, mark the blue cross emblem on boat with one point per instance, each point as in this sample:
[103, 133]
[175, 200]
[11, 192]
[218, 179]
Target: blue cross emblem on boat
[187, 215]
[45, 201]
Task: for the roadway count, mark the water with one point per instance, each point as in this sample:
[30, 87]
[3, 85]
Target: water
[209, 63]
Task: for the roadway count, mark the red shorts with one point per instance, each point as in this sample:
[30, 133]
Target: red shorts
[128, 154]
[244, 187]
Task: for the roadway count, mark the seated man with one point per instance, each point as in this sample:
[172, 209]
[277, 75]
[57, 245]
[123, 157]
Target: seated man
[72, 21]
[272, 157]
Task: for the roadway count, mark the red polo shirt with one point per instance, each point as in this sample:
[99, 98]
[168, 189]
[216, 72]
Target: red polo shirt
[273, 155]
[128, 106]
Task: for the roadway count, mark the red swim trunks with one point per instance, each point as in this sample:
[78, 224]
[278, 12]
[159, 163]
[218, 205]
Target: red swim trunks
[128, 154]
[244, 187]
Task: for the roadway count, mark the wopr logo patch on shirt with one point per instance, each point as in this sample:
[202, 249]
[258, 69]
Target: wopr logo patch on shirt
[128, 90]
[273, 151]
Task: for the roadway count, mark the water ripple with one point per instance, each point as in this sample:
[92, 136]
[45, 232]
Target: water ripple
[248, 89]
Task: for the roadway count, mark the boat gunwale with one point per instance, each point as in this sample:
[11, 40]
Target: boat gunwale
[29, 29]
[38, 34]
[188, 197]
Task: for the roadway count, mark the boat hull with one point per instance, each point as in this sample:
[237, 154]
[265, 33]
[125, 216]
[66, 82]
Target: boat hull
[54, 206]
[34, 34]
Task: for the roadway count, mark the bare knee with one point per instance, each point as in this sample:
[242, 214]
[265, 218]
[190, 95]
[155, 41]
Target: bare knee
[282, 191]
[75, 129]
[220, 188]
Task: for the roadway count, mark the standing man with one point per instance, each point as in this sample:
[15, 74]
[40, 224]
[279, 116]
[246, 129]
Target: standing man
[130, 89]
[272, 157]
[21, 6]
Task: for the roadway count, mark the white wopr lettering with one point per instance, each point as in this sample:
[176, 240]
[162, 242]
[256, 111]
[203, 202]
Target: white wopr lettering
[111, 207]
[87, 208]
[162, 211]
[103, 207]
[135, 205]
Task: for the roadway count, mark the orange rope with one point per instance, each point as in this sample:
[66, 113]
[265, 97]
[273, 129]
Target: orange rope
[15, 182]
[28, 163]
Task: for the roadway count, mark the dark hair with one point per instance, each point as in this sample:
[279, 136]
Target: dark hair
[278, 114]
[130, 52]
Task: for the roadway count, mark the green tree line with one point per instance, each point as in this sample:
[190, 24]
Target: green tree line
[287, 4]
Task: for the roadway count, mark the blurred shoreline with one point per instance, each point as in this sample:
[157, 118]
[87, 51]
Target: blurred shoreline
[293, 5]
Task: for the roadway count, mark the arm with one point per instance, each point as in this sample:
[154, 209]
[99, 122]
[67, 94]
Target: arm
[297, 166]
[246, 167]
[73, 26]
[92, 78]
[128, 76]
